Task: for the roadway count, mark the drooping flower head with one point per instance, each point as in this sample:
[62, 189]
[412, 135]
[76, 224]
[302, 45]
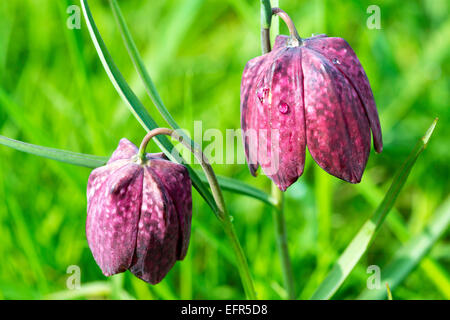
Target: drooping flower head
[308, 92]
[138, 214]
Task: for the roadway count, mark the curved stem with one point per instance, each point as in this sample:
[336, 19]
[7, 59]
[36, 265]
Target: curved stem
[295, 37]
[222, 213]
[195, 149]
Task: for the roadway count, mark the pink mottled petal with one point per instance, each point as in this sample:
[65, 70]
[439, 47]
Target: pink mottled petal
[99, 175]
[113, 214]
[157, 238]
[158, 156]
[125, 150]
[175, 179]
[339, 52]
[250, 113]
[283, 156]
[338, 134]
[281, 41]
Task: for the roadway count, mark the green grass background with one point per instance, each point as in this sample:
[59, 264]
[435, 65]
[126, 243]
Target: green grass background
[54, 92]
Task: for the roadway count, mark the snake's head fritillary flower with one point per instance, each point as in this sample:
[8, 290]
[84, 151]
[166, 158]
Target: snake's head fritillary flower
[138, 214]
[308, 92]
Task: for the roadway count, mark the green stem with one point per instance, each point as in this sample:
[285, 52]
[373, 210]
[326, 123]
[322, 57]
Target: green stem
[266, 20]
[280, 231]
[296, 40]
[242, 264]
[277, 195]
[222, 213]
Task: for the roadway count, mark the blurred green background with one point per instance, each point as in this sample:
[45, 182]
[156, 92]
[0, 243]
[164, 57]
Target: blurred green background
[55, 92]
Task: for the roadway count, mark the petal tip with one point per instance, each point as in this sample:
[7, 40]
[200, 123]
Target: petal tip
[379, 147]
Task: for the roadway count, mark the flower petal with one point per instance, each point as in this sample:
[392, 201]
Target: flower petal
[113, 213]
[157, 156]
[338, 134]
[339, 53]
[125, 150]
[176, 181]
[98, 176]
[250, 115]
[281, 41]
[283, 156]
[157, 238]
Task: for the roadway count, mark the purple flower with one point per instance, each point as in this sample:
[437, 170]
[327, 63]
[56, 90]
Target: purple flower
[138, 214]
[311, 93]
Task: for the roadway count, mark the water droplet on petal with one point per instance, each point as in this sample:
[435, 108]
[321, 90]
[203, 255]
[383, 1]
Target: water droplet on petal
[336, 61]
[283, 107]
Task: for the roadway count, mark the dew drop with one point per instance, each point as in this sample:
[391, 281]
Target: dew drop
[336, 61]
[283, 107]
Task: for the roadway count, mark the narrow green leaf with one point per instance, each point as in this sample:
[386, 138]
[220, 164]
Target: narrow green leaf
[358, 246]
[139, 65]
[78, 159]
[410, 255]
[133, 102]
[395, 222]
[239, 187]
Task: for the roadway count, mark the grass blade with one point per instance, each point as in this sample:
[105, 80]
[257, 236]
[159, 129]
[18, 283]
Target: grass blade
[410, 255]
[239, 187]
[139, 65]
[395, 222]
[133, 102]
[358, 246]
[78, 159]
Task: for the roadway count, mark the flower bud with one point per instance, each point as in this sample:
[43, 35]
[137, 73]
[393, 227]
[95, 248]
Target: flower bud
[311, 92]
[138, 214]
